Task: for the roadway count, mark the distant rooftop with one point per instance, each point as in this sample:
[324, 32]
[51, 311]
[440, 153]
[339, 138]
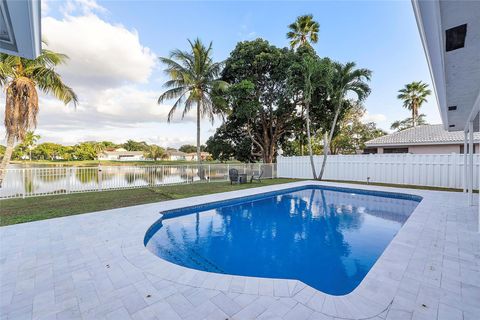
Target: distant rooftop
[175, 153]
[421, 135]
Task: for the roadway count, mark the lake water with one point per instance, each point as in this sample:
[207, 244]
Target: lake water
[46, 179]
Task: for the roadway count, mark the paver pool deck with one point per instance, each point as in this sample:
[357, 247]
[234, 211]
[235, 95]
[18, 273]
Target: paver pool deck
[95, 266]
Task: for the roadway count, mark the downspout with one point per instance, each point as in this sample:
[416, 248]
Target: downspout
[470, 151]
[465, 148]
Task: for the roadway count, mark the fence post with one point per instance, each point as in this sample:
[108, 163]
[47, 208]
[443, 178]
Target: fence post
[24, 184]
[209, 173]
[69, 177]
[188, 179]
[228, 172]
[99, 173]
[163, 174]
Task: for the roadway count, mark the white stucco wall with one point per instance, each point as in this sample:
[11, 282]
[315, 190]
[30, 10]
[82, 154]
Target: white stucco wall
[432, 149]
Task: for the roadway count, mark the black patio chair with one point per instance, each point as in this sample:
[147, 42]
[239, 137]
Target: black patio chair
[256, 177]
[233, 175]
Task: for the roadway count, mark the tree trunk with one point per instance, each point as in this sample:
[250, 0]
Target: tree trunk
[199, 158]
[6, 158]
[413, 116]
[326, 143]
[325, 154]
[310, 152]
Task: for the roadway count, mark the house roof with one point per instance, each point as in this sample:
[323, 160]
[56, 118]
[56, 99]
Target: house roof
[421, 135]
[175, 153]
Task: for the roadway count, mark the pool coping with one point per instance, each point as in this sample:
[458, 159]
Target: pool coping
[370, 298]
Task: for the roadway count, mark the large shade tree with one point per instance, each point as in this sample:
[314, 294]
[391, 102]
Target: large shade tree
[259, 96]
[346, 79]
[194, 83]
[414, 95]
[21, 78]
[303, 31]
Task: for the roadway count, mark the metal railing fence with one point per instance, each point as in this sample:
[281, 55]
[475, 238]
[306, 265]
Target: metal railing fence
[30, 182]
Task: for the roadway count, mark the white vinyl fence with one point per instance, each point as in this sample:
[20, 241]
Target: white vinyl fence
[28, 182]
[433, 170]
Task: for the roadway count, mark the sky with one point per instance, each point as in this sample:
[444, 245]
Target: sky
[113, 49]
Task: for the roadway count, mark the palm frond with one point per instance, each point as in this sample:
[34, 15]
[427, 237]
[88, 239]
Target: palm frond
[51, 82]
[173, 93]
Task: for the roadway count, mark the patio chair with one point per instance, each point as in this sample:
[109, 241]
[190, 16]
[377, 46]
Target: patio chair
[257, 177]
[233, 175]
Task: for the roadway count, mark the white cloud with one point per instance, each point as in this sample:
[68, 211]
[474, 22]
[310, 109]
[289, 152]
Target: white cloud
[101, 54]
[81, 6]
[111, 72]
[374, 117]
[45, 7]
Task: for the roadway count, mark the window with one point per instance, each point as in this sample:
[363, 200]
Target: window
[475, 148]
[395, 150]
[370, 150]
[455, 37]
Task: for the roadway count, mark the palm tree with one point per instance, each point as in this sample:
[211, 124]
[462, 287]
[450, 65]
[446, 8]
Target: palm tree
[29, 141]
[154, 152]
[310, 66]
[414, 95]
[345, 79]
[407, 123]
[194, 78]
[21, 79]
[98, 148]
[303, 31]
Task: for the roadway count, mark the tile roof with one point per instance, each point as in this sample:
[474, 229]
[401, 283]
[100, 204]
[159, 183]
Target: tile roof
[175, 153]
[424, 134]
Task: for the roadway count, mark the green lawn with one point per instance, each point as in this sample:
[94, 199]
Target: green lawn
[38, 208]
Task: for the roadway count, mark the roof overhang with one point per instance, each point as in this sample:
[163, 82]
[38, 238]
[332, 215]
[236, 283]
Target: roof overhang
[449, 143]
[455, 73]
[20, 32]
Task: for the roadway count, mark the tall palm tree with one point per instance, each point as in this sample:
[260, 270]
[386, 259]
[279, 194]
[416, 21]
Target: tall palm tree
[194, 78]
[310, 66]
[414, 95]
[345, 79]
[303, 31]
[21, 79]
[29, 141]
[154, 152]
[98, 148]
[400, 125]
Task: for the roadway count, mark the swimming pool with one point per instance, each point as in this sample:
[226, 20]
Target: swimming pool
[327, 237]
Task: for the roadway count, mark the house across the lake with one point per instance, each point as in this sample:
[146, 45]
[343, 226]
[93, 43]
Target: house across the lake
[423, 139]
[175, 155]
[193, 156]
[121, 154]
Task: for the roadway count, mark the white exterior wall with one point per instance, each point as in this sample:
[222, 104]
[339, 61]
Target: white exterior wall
[114, 157]
[434, 170]
[435, 149]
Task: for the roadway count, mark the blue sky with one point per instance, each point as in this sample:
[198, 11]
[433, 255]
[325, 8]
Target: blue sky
[379, 35]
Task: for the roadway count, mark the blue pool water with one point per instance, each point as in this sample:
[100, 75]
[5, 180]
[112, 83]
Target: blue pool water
[328, 238]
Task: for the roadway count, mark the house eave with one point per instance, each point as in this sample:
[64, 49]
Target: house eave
[380, 145]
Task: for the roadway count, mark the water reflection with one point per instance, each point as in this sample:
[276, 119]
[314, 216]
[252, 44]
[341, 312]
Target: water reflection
[327, 239]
